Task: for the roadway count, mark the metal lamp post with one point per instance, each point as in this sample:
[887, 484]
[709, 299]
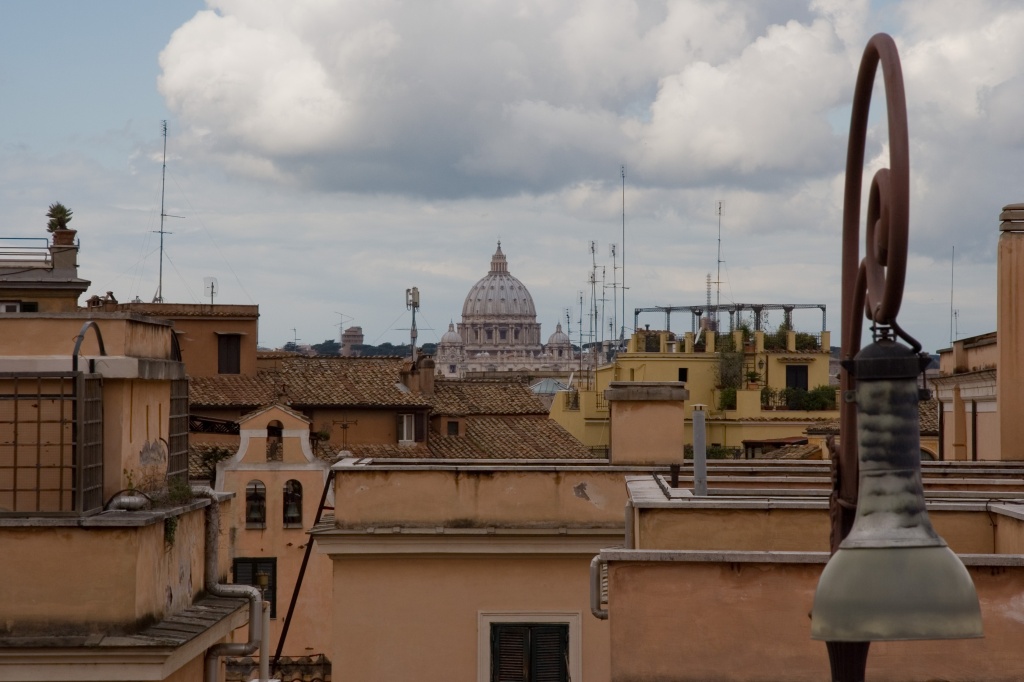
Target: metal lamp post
[891, 577]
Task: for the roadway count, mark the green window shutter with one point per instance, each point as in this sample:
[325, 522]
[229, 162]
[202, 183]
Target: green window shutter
[549, 646]
[508, 653]
[529, 652]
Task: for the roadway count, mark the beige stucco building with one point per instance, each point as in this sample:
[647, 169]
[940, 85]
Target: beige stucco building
[758, 412]
[107, 572]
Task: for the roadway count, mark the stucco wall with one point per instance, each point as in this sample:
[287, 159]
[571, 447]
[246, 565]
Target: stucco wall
[479, 497]
[416, 618]
[749, 622]
[54, 576]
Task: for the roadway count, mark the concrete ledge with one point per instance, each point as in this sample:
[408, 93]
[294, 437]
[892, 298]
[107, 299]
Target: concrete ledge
[647, 391]
[700, 556]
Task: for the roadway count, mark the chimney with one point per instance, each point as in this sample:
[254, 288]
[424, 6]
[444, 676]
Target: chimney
[1010, 330]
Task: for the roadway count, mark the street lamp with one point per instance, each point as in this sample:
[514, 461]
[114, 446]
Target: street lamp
[891, 577]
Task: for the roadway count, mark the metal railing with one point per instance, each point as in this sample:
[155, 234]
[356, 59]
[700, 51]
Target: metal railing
[51, 450]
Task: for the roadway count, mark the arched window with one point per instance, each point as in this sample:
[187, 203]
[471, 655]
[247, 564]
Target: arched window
[292, 504]
[274, 435]
[255, 505]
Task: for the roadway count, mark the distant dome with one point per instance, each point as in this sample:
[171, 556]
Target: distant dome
[451, 337]
[498, 294]
[559, 338]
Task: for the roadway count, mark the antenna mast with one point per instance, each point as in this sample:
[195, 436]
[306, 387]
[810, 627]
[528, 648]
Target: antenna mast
[412, 302]
[718, 282]
[952, 260]
[159, 298]
[622, 333]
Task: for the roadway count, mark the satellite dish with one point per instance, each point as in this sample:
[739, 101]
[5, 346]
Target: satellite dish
[210, 287]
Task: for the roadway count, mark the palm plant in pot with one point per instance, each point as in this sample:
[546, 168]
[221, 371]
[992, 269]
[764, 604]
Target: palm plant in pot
[58, 216]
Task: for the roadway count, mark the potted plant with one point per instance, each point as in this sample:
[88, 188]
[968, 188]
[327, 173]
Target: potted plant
[753, 379]
[58, 217]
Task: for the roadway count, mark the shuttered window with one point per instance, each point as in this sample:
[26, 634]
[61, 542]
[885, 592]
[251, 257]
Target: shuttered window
[529, 652]
[246, 571]
[229, 353]
[796, 376]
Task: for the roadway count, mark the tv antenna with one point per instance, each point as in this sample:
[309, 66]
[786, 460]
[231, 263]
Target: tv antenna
[412, 302]
[718, 277]
[210, 287]
[622, 333]
[159, 298]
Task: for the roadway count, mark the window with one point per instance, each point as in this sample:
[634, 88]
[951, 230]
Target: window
[9, 307]
[259, 572]
[529, 652]
[528, 646]
[411, 428]
[229, 353]
[453, 428]
[292, 504]
[490, 334]
[255, 505]
[503, 334]
[796, 376]
[452, 369]
[683, 372]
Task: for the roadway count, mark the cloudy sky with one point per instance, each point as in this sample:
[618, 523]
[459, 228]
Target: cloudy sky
[325, 156]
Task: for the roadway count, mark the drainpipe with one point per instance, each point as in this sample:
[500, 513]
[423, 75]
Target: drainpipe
[257, 635]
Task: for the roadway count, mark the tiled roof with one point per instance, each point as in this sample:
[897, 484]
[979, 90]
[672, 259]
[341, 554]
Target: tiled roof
[525, 437]
[310, 381]
[463, 397]
[808, 451]
[511, 437]
[203, 457]
[927, 411]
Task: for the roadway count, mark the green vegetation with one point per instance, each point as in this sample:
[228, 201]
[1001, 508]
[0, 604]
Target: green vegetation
[727, 399]
[818, 398]
[328, 347]
[59, 216]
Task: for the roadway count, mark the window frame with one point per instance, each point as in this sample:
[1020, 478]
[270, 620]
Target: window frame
[487, 618]
[256, 563]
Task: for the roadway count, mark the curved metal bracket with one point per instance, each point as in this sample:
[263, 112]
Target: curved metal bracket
[89, 324]
[872, 287]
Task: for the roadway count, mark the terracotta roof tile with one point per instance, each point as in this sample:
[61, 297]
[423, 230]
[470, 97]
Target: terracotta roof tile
[310, 381]
[203, 457]
[523, 437]
[462, 397]
[927, 411]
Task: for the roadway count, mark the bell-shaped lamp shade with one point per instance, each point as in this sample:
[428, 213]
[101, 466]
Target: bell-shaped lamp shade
[893, 577]
[895, 593]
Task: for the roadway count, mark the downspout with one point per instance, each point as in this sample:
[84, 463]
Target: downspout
[257, 635]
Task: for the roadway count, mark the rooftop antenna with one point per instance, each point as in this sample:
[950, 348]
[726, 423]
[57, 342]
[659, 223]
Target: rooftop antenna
[712, 321]
[295, 336]
[341, 323]
[412, 302]
[952, 260]
[718, 278]
[159, 298]
[594, 324]
[612, 249]
[210, 287]
[622, 333]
